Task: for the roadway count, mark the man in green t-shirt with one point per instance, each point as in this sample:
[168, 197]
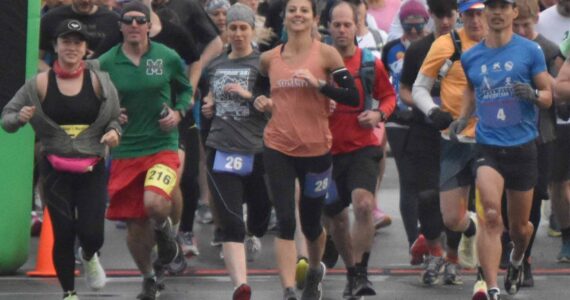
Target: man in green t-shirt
[143, 173]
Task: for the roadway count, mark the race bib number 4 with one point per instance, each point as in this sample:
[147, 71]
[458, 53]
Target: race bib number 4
[501, 114]
[234, 163]
[162, 177]
[317, 184]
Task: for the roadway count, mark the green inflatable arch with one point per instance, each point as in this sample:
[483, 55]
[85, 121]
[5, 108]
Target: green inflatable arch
[19, 30]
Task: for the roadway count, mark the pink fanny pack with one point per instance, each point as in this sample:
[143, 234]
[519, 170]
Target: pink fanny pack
[72, 165]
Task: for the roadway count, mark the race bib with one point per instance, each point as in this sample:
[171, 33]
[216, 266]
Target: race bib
[317, 184]
[332, 193]
[74, 130]
[505, 113]
[162, 177]
[239, 164]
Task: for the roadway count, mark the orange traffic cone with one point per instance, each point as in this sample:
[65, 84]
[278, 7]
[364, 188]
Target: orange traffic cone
[44, 262]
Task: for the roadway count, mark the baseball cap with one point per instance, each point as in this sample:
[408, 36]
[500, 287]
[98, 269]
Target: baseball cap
[465, 5]
[71, 26]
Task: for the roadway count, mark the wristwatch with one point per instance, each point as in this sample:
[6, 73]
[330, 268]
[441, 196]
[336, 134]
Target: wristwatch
[382, 114]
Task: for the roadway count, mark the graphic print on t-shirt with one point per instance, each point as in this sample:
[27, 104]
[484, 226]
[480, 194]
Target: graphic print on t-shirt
[231, 105]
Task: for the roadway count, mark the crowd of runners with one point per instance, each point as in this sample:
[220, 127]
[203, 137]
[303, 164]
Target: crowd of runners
[281, 113]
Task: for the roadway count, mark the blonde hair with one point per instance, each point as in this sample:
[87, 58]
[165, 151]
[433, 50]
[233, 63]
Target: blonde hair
[527, 8]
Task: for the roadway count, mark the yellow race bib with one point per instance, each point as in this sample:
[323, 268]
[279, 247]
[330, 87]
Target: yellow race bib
[162, 177]
[74, 130]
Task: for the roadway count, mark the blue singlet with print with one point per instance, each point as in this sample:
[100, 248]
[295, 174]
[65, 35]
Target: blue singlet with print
[503, 118]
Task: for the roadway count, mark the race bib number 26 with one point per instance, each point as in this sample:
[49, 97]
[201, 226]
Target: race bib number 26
[235, 163]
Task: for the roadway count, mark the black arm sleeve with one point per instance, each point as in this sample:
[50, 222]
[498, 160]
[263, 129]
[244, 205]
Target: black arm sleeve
[346, 92]
[261, 86]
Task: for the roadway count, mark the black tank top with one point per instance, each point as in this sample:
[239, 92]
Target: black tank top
[82, 108]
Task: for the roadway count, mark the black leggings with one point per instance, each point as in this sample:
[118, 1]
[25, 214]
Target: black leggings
[76, 204]
[398, 139]
[189, 181]
[230, 191]
[282, 170]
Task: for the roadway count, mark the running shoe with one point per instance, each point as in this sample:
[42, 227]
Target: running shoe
[159, 272]
[178, 265]
[188, 243]
[243, 292]
[70, 296]
[301, 272]
[252, 247]
[95, 276]
[289, 294]
[348, 292]
[149, 290]
[380, 218]
[564, 255]
[467, 250]
[451, 274]
[494, 294]
[314, 283]
[36, 224]
[480, 290]
[419, 250]
[513, 278]
[528, 279]
[553, 227]
[363, 286]
[330, 256]
[165, 243]
[434, 267]
[204, 214]
[217, 240]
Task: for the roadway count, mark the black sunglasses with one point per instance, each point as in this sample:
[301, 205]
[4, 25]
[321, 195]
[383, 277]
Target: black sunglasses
[129, 20]
[408, 27]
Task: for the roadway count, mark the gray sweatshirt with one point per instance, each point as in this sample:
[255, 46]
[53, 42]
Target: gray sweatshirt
[53, 139]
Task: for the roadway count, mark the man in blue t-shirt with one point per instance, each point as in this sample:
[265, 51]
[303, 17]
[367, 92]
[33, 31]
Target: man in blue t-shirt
[507, 82]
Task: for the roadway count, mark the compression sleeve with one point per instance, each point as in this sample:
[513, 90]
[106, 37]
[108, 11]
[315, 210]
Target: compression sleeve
[421, 93]
[346, 92]
[261, 86]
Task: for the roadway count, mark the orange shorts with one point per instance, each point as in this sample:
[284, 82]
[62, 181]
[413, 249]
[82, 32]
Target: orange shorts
[130, 178]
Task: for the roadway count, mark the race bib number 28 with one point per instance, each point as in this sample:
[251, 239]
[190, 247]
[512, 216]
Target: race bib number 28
[235, 163]
[317, 184]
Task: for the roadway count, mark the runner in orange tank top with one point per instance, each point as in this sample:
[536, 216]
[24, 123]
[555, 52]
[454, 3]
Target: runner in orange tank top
[297, 138]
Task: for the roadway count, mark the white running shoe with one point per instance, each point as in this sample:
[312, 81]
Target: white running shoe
[252, 247]
[95, 276]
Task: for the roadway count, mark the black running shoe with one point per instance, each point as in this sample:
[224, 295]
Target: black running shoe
[349, 287]
[434, 266]
[363, 286]
[149, 290]
[513, 279]
[314, 283]
[330, 256]
[159, 271]
[166, 243]
[528, 279]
